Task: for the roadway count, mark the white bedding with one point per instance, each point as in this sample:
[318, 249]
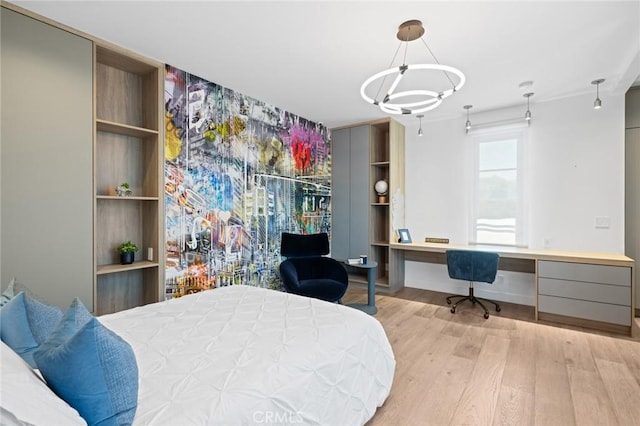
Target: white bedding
[243, 355]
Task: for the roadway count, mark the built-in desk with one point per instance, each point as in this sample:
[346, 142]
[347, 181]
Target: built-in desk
[581, 288]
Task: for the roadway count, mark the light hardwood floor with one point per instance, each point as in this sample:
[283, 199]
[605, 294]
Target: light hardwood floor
[507, 370]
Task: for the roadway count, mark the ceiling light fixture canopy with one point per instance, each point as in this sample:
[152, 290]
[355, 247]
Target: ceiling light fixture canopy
[597, 104]
[411, 101]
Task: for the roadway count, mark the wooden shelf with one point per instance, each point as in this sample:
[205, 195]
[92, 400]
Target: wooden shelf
[380, 243]
[111, 269]
[380, 204]
[132, 198]
[381, 164]
[124, 129]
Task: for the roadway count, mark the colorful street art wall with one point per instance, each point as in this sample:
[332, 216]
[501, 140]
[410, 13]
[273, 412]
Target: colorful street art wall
[238, 173]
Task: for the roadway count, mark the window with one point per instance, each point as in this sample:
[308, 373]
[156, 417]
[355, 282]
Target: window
[497, 207]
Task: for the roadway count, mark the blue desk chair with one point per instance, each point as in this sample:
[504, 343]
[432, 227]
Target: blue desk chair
[307, 271]
[472, 266]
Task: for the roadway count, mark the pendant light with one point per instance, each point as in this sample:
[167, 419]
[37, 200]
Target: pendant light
[420, 128]
[527, 115]
[597, 104]
[413, 100]
[467, 125]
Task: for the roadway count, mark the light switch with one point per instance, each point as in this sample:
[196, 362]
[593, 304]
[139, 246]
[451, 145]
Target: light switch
[603, 222]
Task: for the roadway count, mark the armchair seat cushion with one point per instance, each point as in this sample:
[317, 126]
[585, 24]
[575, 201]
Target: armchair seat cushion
[322, 288]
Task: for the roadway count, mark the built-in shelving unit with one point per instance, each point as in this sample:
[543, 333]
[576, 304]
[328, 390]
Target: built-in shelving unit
[387, 163]
[382, 141]
[128, 148]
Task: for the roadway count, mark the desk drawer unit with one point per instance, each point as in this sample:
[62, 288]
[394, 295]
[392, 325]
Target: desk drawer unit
[581, 290]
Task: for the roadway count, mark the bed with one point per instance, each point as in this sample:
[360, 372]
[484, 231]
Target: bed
[243, 355]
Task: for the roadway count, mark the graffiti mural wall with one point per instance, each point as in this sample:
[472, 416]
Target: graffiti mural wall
[238, 172]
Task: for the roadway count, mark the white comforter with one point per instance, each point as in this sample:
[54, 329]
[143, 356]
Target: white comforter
[243, 355]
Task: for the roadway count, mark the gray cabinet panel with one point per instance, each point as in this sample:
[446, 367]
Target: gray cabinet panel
[604, 293]
[350, 192]
[360, 190]
[340, 149]
[47, 176]
[584, 309]
[614, 275]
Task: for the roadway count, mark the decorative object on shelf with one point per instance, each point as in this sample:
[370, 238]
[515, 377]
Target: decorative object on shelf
[123, 190]
[467, 125]
[420, 128]
[127, 252]
[381, 188]
[404, 236]
[597, 104]
[391, 101]
[527, 115]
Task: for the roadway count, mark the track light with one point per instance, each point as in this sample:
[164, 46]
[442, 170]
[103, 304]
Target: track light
[527, 115]
[597, 104]
[467, 125]
[420, 129]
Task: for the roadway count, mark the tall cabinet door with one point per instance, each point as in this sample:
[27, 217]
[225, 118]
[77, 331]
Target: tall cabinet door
[350, 148]
[340, 214]
[47, 177]
[359, 188]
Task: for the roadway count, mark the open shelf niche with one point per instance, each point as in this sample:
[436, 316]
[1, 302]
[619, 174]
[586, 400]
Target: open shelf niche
[128, 148]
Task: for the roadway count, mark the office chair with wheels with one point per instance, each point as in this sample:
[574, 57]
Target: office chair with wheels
[472, 266]
[307, 271]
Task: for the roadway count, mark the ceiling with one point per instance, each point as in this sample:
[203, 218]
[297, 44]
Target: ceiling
[311, 57]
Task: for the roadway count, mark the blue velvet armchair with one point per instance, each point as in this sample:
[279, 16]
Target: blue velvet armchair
[307, 271]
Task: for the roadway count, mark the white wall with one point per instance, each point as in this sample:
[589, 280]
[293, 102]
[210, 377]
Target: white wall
[576, 172]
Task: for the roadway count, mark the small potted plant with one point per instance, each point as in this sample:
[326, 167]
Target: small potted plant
[127, 252]
[123, 190]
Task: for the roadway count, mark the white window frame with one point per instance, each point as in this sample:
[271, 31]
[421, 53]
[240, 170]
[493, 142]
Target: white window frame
[493, 134]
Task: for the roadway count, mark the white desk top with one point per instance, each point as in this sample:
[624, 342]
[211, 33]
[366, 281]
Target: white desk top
[524, 253]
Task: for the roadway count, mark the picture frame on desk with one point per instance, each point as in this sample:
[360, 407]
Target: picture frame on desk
[404, 236]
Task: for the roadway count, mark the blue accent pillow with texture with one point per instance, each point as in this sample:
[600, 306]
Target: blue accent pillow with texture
[26, 323]
[92, 368]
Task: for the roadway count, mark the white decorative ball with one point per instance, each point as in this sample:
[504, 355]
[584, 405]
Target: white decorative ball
[381, 187]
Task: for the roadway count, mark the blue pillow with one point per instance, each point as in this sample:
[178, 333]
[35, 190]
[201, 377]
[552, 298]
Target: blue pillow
[25, 324]
[93, 369]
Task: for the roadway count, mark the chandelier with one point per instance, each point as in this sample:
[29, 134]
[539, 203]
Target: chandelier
[413, 101]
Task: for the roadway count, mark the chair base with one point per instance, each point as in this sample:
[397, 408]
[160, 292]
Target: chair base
[473, 300]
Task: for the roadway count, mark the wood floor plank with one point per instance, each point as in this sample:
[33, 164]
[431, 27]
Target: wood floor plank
[623, 390]
[591, 403]
[478, 401]
[630, 353]
[516, 401]
[515, 406]
[553, 402]
[440, 402]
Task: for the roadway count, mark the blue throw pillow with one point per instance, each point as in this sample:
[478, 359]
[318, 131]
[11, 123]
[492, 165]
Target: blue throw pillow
[25, 324]
[93, 369]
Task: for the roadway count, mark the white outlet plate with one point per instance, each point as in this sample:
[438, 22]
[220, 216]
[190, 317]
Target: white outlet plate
[602, 222]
